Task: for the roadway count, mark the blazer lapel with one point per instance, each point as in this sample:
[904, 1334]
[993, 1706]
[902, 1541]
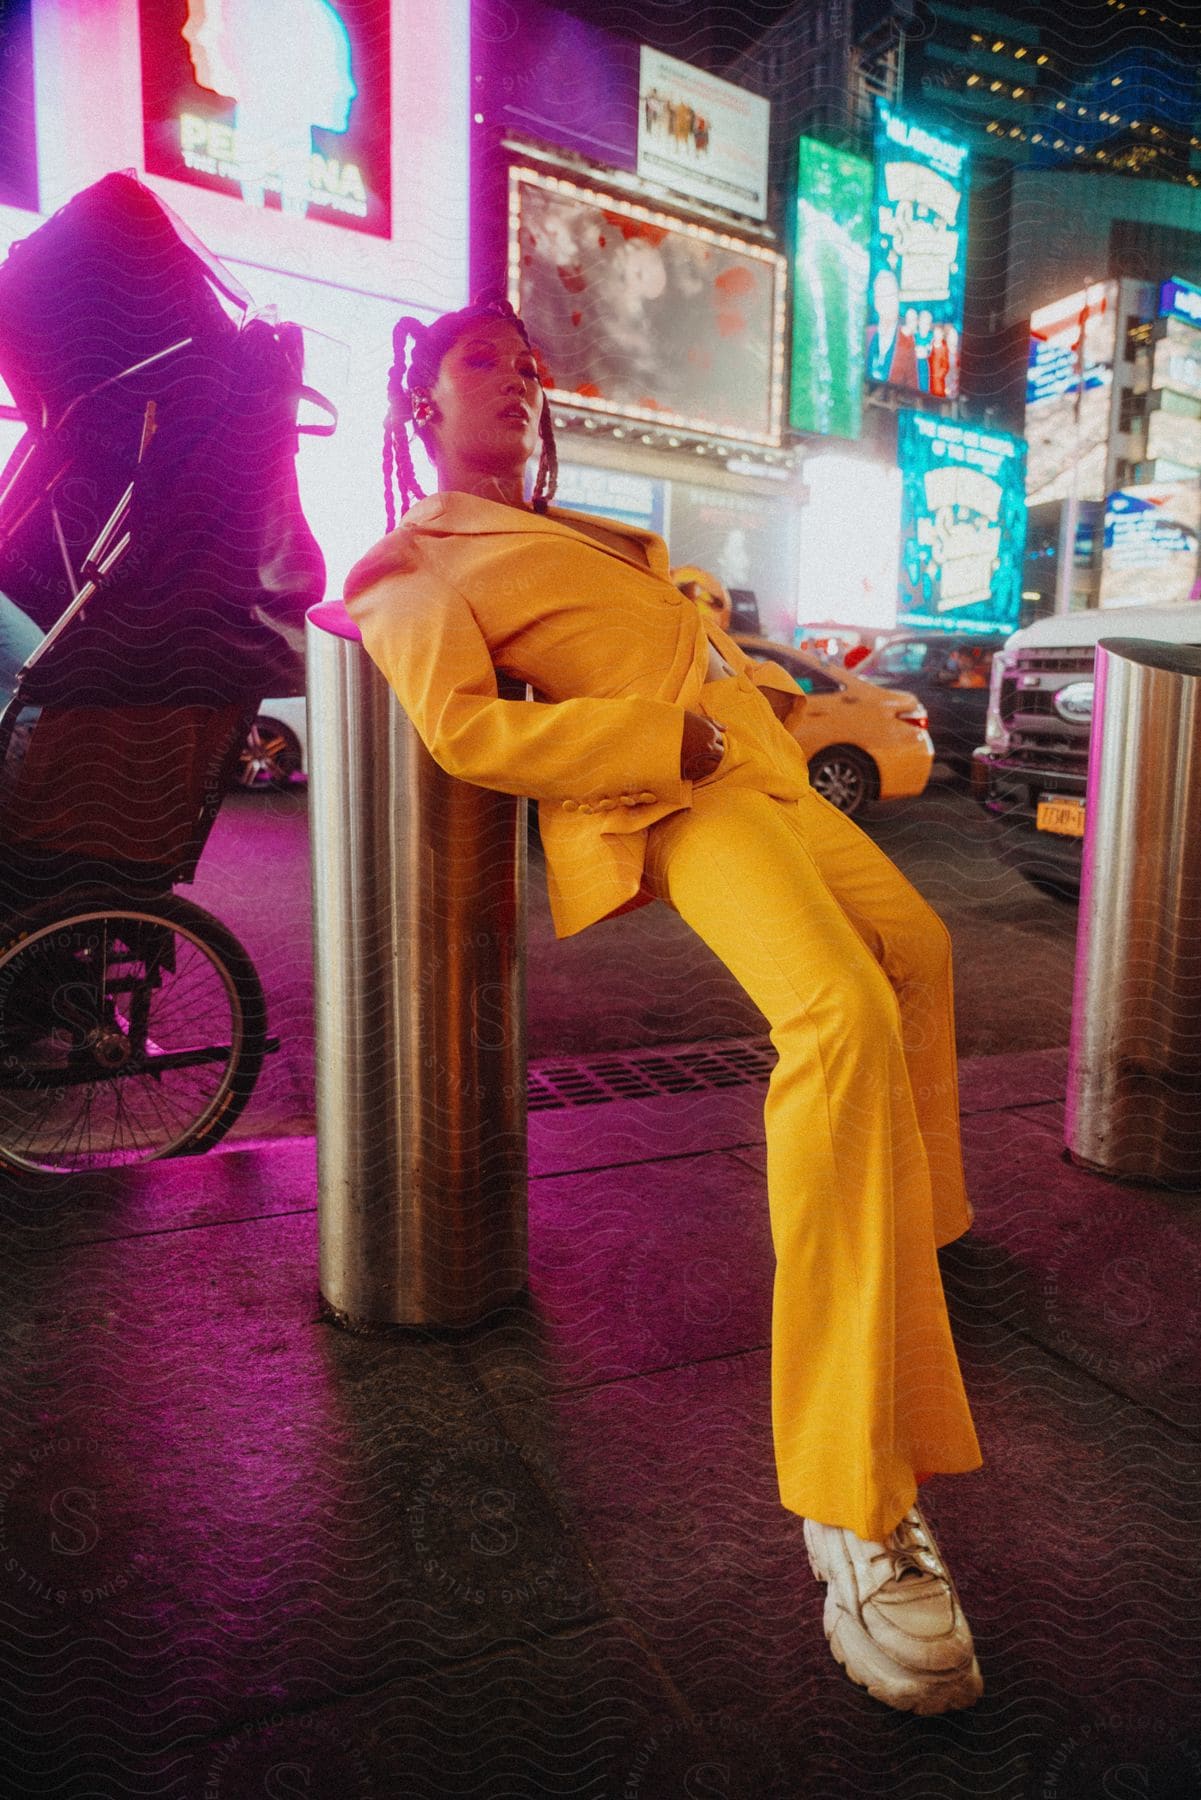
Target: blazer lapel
[467, 513]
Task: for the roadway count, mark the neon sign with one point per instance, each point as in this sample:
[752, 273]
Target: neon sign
[282, 103]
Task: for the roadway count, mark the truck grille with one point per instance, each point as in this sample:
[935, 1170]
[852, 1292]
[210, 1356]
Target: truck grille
[1028, 711]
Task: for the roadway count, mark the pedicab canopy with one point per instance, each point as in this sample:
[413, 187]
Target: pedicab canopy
[129, 353]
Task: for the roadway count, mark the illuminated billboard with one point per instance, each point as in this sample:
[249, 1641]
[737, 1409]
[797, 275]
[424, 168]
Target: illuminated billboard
[281, 103]
[640, 315]
[702, 136]
[1152, 536]
[829, 289]
[1069, 394]
[963, 524]
[918, 257]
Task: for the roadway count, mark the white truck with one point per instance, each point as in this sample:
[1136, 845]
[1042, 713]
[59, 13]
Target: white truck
[1031, 772]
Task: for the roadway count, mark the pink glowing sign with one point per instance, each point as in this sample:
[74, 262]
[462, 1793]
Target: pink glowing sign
[282, 103]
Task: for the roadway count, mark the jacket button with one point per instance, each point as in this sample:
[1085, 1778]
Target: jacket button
[607, 804]
[583, 807]
[647, 797]
[570, 805]
[629, 799]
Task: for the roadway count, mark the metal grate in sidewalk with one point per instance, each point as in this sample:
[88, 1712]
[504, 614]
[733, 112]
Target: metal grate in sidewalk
[637, 1074]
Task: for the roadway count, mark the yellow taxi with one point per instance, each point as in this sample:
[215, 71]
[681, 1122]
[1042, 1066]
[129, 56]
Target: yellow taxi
[863, 742]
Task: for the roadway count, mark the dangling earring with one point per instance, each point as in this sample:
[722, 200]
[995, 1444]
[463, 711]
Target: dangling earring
[423, 409]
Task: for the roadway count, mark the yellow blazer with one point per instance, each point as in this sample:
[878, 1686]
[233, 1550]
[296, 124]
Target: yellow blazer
[465, 587]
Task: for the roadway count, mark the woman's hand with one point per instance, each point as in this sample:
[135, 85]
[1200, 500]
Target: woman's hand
[703, 747]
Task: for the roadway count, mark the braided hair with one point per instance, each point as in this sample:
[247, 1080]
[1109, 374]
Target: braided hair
[430, 344]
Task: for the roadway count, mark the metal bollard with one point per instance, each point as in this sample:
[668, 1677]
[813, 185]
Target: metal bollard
[419, 981]
[1134, 1074]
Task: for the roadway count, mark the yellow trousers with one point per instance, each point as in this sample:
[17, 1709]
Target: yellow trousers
[852, 971]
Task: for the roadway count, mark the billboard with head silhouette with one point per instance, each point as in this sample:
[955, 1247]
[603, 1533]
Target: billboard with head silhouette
[280, 103]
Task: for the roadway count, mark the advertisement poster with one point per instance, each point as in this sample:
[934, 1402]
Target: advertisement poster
[1152, 537]
[642, 316]
[918, 257]
[1069, 392]
[281, 103]
[829, 289]
[702, 136]
[963, 524]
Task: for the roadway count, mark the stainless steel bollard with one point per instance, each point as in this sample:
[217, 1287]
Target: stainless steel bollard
[1134, 1076]
[419, 981]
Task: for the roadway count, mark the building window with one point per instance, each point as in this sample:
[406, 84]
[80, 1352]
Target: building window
[1131, 408]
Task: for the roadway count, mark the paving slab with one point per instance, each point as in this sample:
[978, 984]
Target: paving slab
[564, 1715]
[635, 1268]
[1105, 1274]
[1030, 1078]
[575, 1138]
[175, 1194]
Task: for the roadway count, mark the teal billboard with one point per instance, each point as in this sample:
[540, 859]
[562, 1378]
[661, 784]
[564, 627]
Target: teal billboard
[963, 525]
[829, 289]
[918, 257]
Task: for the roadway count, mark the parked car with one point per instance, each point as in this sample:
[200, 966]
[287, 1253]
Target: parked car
[863, 742]
[949, 673]
[1031, 772]
[275, 753]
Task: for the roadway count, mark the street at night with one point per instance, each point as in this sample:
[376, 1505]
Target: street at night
[471, 1338]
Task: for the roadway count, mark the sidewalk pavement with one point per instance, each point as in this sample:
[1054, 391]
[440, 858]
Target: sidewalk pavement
[245, 1553]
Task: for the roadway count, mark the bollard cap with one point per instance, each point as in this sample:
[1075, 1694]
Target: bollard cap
[1152, 653]
[332, 616]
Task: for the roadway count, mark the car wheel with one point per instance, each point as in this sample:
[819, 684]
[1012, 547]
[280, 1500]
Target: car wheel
[270, 756]
[844, 777]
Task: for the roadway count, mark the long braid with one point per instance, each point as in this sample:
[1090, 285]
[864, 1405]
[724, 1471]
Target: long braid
[417, 375]
[547, 478]
[389, 461]
[398, 460]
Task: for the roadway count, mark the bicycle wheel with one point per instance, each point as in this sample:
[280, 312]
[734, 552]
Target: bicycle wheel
[128, 1031]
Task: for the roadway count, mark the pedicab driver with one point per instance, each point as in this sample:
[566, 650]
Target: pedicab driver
[657, 754]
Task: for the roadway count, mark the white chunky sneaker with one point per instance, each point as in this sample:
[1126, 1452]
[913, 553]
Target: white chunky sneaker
[893, 1617]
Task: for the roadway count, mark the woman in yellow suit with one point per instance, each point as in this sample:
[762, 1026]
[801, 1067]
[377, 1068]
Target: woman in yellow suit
[662, 771]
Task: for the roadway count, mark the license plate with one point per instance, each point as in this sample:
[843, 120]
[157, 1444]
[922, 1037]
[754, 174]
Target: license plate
[1063, 816]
